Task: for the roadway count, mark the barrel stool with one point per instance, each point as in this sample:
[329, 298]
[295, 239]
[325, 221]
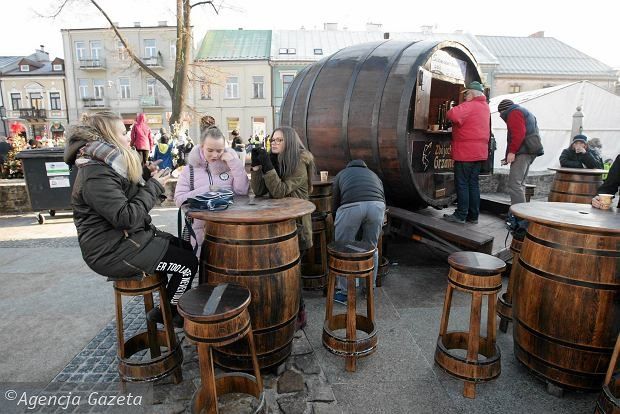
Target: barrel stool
[314, 264]
[480, 275]
[159, 365]
[609, 400]
[353, 260]
[504, 301]
[529, 191]
[217, 315]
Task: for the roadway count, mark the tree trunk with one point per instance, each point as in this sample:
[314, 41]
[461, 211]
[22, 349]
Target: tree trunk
[182, 61]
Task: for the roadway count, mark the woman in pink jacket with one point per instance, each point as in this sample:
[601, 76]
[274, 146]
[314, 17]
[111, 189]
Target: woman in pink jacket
[142, 138]
[212, 167]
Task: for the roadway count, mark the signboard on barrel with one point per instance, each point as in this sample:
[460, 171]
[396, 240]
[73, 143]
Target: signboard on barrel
[432, 155]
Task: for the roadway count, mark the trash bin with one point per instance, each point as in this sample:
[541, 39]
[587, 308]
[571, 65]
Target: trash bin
[48, 179]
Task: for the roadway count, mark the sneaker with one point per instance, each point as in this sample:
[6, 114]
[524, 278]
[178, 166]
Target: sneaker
[340, 297]
[155, 315]
[453, 219]
[472, 221]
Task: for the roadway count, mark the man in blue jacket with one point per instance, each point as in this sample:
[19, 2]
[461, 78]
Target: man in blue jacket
[359, 202]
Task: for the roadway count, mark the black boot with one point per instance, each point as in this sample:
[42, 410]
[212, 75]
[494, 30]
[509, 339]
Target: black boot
[155, 315]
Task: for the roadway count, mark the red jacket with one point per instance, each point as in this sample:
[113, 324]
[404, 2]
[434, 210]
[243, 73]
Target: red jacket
[141, 137]
[471, 129]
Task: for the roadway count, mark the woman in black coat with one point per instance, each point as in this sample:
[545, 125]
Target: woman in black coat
[112, 196]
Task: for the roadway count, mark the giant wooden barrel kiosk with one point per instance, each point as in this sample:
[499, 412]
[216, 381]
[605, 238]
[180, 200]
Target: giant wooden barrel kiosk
[566, 308]
[377, 102]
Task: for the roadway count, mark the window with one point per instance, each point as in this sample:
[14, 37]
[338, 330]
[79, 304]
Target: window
[24, 68]
[16, 101]
[36, 100]
[318, 51]
[547, 85]
[80, 50]
[57, 68]
[205, 91]
[151, 86]
[121, 52]
[287, 79]
[55, 101]
[515, 88]
[232, 87]
[287, 51]
[83, 88]
[173, 49]
[258, 86]
[125, 88]
[150, 48]
[95, 49]
[98, 88]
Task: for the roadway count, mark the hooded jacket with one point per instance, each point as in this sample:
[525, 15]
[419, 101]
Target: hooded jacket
[111, 215]
[163, 152]
[297, 185]
[572, 159]
[141, 136]
[220, 174]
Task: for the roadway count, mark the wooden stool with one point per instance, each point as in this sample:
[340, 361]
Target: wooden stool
[529, 191]
[353, 260]
[609, 400]
[504, 301]
[314, 264]
[217, 316]
[479, 274]
[159, 365]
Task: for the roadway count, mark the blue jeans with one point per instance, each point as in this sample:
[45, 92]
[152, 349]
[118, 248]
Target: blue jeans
[467, 189]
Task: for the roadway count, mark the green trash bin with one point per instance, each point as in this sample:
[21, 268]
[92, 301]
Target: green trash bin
[48, 179]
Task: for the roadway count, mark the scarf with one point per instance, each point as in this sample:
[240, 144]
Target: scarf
[99, 151]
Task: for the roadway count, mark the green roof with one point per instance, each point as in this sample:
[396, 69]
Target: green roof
[235, 45]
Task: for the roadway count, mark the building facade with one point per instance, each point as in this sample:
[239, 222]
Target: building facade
[33, 99]
[102, 76]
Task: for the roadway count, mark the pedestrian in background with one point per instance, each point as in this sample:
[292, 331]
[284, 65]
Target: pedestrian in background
[471, 131]
[163, 152]
[579, 155]
[142, 138]
[523, 146]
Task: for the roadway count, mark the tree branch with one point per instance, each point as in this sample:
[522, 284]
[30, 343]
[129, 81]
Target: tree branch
[206, 2]
[130, 52]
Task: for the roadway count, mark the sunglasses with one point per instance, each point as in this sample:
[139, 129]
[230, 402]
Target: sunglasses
[276, 140]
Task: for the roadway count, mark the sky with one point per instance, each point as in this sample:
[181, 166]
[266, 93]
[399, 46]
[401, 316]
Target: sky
[591, 29]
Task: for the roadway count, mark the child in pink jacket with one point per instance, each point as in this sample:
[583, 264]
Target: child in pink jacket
[213, 167]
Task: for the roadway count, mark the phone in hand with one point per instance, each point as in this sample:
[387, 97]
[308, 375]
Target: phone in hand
[166, 171]
[504, 162]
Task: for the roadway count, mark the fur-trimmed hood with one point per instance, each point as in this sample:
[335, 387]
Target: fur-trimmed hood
[78, 136]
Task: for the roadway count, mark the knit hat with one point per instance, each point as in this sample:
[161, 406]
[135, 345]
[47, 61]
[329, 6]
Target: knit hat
[504, 104]
[475, 85]
[581, 138]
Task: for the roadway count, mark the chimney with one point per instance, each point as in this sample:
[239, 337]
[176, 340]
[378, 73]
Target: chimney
[386, 35]
[42, 48]
[373, 27]
[162, 23]
[540, 33]
[136, 24]
[41, 55]
[330, 26]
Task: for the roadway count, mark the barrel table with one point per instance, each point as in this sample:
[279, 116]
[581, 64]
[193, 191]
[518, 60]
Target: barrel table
[254, 244]
[566, 303]
[575, 185]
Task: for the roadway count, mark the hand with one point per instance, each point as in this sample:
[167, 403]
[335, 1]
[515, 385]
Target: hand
[227, 156]
[162, 176]
[153, 166]
[510, 158]
[580, 150]
[255, 157]
[265, 161]
[596, 202]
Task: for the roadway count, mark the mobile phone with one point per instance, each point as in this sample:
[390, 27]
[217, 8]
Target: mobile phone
[166, 172]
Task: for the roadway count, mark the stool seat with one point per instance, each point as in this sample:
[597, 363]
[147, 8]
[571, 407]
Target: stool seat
[217, 315]
[474, 263]
[350, 249]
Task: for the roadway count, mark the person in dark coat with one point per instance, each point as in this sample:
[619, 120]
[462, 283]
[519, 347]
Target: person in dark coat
[358, 200]
[611, 183]
[579, 155]
[111, 199]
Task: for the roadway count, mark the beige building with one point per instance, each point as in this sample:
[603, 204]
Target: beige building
[102, 76]
[32, 95]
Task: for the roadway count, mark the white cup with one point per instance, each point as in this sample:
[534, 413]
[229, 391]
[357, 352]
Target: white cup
[324, 175]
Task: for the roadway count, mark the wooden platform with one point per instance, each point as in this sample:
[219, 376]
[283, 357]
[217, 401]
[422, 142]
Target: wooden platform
[427, 226]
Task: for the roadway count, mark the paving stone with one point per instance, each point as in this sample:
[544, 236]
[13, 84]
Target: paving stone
[292, 404]
[301, 346]
[235, 403]
[169, 408]
[307, 364]
[182, 391]
[290, 381]
[320, 391]
[323, 408]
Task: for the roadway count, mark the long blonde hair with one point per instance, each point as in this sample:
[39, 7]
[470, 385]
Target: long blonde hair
[104, 124]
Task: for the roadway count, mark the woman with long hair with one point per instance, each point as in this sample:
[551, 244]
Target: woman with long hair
[112, 196]
[142, 138]
[286, 172]
[210, 166]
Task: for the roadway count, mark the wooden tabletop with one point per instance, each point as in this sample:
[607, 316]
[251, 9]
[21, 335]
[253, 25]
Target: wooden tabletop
[263, 210]
[213, 302]
[579, 170]
[582, 216]
[316, 181]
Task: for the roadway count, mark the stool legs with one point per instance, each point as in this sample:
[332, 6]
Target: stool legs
[170, 335]
[351, 324]
[445, 318]
[473, 340]
[151, 327]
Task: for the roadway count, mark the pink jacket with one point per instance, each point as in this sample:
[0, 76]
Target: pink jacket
[471, 129]
[141, 136]
[220, 174]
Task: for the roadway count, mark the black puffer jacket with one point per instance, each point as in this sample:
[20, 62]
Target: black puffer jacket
[112, 218]
[356, 183]
[571, 159]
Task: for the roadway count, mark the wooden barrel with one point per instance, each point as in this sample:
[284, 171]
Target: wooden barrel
[566, 307]
[265, 259]
[376, 102]
[504, 301]
[314, 264]
[575, 185]
[321, 195]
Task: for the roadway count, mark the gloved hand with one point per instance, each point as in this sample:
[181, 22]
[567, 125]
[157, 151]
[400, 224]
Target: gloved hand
[265, 161]
[255, 157]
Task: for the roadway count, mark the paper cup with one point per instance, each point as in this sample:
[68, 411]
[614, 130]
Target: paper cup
[324, 175]
[435, 127]
[605, 200]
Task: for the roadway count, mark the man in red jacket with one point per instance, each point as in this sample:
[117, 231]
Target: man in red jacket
[471, 130]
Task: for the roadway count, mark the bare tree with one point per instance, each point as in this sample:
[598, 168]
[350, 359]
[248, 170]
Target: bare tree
[179, 86]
